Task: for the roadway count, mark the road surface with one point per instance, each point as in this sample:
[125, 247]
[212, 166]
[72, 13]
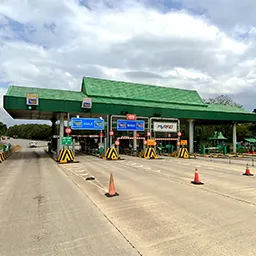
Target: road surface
[42, 212]
[162, 213]
[50, 209]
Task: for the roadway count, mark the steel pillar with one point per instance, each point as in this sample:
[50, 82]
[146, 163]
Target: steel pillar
[191, 136]
[234, 138]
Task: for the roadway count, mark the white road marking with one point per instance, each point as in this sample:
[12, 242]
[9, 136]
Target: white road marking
[84, 174]
[81, 171]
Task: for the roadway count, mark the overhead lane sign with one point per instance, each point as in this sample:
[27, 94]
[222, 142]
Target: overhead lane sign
[130, 125]
[32, 99]
[87, 124]
[165, 127]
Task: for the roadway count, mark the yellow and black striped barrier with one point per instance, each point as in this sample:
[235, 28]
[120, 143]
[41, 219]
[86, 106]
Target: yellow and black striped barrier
[66, 156]
[15, 148]
[111, 154]
[183, 153]
[5, 155]
[2, 157]
[150, 153]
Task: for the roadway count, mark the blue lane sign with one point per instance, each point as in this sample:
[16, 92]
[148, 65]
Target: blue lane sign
[87, 124]
[130, 125]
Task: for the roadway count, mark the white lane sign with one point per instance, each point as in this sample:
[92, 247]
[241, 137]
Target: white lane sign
[165, 127]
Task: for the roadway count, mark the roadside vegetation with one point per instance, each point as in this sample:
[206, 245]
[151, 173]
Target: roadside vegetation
[30, 131]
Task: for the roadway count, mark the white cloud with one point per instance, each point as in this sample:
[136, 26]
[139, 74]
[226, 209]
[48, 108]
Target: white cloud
[55, 43]
[227, 14]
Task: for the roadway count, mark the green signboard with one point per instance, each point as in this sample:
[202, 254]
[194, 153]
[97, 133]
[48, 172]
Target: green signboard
[67, 141]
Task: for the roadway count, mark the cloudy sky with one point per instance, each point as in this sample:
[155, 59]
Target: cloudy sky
[207, 45]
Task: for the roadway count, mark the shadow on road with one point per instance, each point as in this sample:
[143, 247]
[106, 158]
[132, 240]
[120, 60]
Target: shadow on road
[29, 154]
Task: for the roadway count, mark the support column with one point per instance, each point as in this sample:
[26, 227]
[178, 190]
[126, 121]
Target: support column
[54, 141]
[61, 134]
[53, 120]
[234, 138]
[107, 135]
[74, 146]
[191, 136]
[134, 140]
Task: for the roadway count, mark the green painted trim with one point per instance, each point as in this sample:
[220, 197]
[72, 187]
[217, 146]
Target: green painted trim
[51, 105]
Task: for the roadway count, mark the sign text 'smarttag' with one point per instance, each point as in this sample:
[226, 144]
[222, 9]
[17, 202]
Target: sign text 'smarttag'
[165, 126]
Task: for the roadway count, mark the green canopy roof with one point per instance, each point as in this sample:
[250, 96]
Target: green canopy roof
[251, 140]
[117, 97]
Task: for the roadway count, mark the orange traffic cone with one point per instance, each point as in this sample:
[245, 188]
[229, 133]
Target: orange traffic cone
[111, 189]
[247, 171]
[196, 180]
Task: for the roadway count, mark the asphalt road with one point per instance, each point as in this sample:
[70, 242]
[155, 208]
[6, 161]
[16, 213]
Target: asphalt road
[42, 212]
[50, 209]
[161, 213]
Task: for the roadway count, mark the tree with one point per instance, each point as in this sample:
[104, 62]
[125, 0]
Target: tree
[223, 100]
[203, 132]
[30, 131]
[3, 128]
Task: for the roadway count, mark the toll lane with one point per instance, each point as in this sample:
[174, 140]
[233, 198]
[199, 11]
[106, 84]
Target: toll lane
[162, 213]
[42, 212]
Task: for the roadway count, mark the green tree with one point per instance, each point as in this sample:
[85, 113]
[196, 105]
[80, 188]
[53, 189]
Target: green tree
[30, 131]
[3, 129]
[203, 132]
[224, 100]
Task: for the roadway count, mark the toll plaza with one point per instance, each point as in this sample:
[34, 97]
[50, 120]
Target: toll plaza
[121, 117]
[210, 200]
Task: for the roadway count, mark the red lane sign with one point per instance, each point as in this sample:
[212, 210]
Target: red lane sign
[117, 142]
[68, 130]
[131, 117]
[111, 133]
[101, 134]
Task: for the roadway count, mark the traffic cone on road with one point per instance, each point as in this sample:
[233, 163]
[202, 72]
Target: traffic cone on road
[247, 171]
[196, 180]
[111, 189]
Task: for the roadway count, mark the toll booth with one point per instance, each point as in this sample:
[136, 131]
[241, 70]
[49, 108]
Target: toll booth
[166, 132]
[126, 146]
[166, 146]
[90, 144]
